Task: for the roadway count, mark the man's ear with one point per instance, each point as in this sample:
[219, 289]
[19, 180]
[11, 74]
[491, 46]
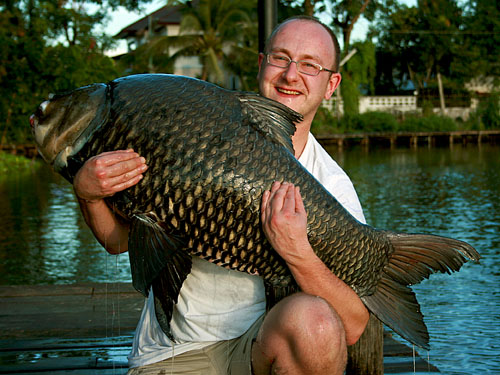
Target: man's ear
[333, 83]
[261, 59]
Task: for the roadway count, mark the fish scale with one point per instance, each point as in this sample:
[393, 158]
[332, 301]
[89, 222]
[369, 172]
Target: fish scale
[211, 154]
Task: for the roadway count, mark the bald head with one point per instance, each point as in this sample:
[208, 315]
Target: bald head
[302, 18]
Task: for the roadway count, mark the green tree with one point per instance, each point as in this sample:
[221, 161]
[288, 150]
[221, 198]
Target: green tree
[345, 14]
[210, 30]
[420, 44]
[48, 46]
[479, 41]
[288, 8]
[358, 76]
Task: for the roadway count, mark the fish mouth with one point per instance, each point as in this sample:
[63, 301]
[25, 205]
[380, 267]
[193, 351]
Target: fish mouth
[40, 111]
[39, 132]
[33, 122]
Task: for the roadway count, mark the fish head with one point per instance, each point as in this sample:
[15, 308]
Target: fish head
[62, 124]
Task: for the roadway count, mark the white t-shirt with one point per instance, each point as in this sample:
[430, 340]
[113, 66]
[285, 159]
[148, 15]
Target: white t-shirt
[218, 304]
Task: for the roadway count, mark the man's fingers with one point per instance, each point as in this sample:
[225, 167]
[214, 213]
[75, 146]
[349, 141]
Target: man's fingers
[299, 203]
[108, 158]
[120, 164]
[107, 173]
[127, 169]
[127, 183]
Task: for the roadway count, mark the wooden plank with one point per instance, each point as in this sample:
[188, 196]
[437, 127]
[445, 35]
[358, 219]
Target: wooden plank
[68, 310]
[88, 329]
[60, 355]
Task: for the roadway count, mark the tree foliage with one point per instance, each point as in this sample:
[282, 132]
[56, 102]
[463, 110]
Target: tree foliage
[358, 76]
[212, 30]
[55, 45]
[48, 46]
[436, 37]
[480, 40]
[345, 14]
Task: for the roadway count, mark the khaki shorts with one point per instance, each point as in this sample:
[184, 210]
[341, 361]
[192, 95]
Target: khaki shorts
[232, 357]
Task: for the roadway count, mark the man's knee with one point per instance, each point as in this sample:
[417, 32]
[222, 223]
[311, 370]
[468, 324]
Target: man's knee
[312, 321]
[307, 328]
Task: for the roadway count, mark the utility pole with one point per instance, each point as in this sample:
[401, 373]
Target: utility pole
[268, 19]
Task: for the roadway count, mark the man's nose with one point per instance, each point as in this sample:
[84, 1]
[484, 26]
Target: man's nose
[291, 72]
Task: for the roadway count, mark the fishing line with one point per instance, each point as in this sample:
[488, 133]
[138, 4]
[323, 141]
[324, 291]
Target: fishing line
[414, 365]
[106, 294]
[116, 280]
[173, 359]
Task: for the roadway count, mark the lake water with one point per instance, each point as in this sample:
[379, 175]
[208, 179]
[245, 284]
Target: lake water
[451, 192]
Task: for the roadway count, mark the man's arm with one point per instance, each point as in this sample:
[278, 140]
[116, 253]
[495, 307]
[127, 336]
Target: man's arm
[100, 177]
[284, 220]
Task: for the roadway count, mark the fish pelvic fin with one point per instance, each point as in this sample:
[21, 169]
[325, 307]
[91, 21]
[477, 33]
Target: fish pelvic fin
[271, 118]
[157, 261]
[415, 257]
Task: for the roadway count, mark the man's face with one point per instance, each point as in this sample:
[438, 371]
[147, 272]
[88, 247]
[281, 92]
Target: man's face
[299, 40]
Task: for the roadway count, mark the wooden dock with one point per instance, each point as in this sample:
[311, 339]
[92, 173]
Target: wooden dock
[88, 329]
[410, 139]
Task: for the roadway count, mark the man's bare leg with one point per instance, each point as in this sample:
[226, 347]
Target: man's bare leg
[302, 334]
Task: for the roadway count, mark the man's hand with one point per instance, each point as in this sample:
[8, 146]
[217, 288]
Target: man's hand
[108, 173]
[284, 220]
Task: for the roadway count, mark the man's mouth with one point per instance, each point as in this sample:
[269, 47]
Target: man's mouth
[288, 92]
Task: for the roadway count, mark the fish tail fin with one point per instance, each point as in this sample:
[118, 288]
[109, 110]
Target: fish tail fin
[415, 257]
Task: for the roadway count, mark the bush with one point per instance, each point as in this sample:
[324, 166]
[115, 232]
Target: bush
[365, 122]
[487, 115]
[377, 122]
[325, 122]
[433, 122]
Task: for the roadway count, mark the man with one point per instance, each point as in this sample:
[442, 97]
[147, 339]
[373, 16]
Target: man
[220, 319]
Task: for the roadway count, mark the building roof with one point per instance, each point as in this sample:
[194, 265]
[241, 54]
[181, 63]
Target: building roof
[166, 15]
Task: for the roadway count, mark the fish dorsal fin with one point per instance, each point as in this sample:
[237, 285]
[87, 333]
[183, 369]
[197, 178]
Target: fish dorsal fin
[275, 120]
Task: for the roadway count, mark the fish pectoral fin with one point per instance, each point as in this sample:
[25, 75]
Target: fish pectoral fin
[166, 288]
[271, 118]
[154, 253]
[157, 260]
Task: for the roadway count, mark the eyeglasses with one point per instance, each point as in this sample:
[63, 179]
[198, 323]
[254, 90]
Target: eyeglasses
[305, 67]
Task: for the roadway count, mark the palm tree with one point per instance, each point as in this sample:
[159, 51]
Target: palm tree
[209, 29]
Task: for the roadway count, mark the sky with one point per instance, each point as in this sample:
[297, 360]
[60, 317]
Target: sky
[121, 18]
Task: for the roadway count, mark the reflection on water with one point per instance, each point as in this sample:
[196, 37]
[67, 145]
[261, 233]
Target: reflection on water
[455, 193]
[43, 238]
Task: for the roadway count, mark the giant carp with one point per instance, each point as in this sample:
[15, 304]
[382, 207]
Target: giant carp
[211, 154]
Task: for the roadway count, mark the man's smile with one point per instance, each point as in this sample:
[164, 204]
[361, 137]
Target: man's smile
[288, 91]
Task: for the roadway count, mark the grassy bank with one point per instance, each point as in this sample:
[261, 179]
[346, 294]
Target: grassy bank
[15, 163]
